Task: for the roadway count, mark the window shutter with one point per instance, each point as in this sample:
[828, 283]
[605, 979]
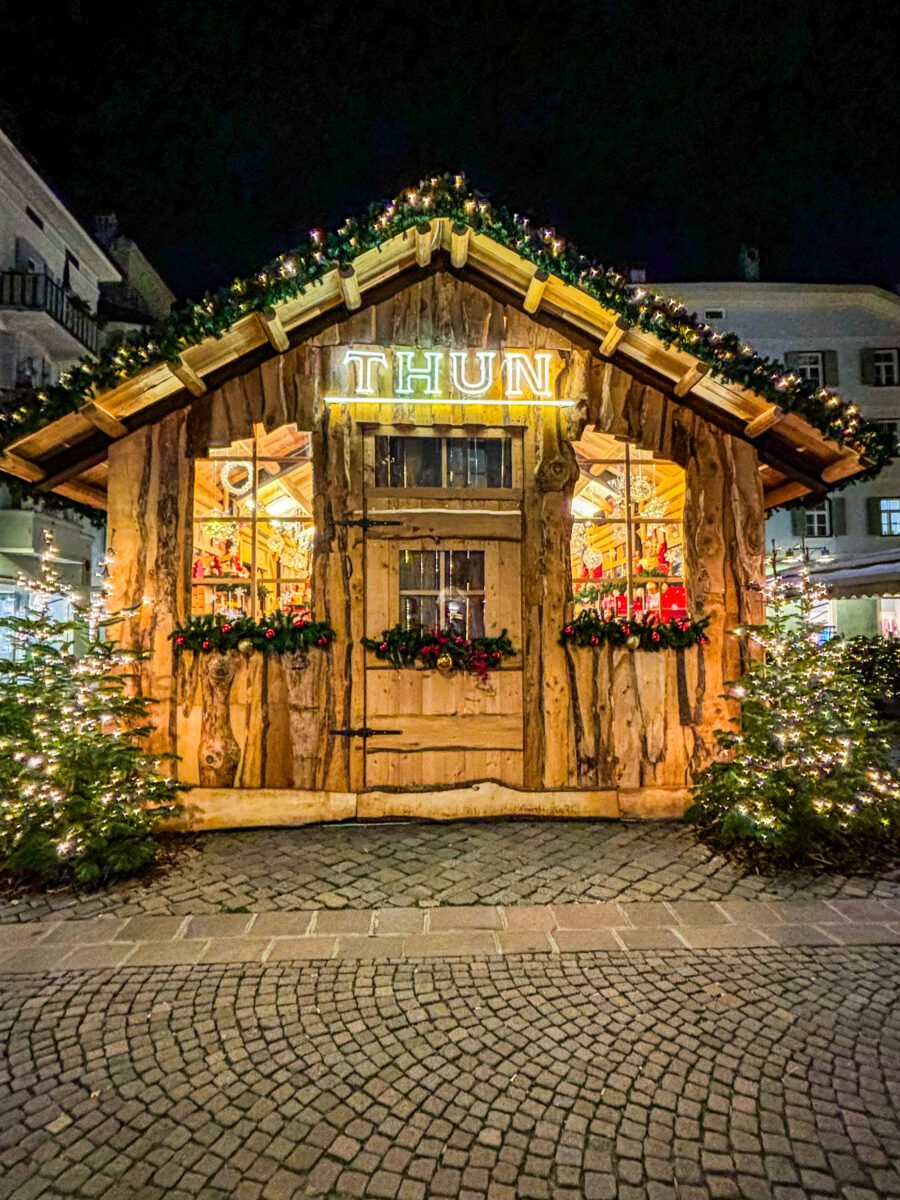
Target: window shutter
[873, 515]
[867, 367]
[829, 368]
[838, 517]
[792, 359]
[798, 521]
[7, 359]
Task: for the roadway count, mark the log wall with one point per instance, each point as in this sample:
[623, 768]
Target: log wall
[593, 719]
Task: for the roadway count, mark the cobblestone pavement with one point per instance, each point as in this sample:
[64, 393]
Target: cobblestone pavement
[756, 1074]
[466, 862]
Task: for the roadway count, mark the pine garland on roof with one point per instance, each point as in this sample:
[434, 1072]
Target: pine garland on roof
[730, 359]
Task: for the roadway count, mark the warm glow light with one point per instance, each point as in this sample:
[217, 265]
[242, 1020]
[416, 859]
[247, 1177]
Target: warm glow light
[482, 400]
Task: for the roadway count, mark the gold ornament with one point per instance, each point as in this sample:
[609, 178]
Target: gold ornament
[444, 662]
[245, 645]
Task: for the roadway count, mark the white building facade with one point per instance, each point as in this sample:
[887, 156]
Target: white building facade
[846, 337]
[51, 271]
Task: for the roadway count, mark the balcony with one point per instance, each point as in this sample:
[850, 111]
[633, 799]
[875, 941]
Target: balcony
[46, 311]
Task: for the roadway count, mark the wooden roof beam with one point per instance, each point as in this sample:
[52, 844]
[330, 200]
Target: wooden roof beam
[459, 244]
[187, 376]
[848, 464]
[22, 468]
[781, 495]
[612, 337]
[690, 378]
[767, 418]
[535, 293]
[101, 418]
[424, 234]
[275, 332]
[349, 285]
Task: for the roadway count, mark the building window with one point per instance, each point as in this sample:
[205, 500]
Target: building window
[714, 314]
[443, 589]
[889, 511]
[885, 367]
[29, 211]
[627, 534]
[253, 526]
[457, 463]
[808, 365]
[889, 616]
[818, 521]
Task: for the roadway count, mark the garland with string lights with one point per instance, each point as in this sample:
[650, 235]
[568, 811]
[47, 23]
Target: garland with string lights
[291, 274]
[277, 633]
[421, 646]
[641, 633]
[805, 775]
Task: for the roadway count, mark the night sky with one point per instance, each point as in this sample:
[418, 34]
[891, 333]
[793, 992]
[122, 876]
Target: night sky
[662, 134]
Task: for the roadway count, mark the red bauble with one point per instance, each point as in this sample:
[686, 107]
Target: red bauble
[323, 641]
[383, 646]
[595, 641]
[299, 622]
[205, 646]
[270, 633]
[226, 629]
[179, 641]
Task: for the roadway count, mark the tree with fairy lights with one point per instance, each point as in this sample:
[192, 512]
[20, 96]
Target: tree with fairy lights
[804, 777]
[80, 798]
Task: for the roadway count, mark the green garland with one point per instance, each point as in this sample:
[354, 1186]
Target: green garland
[591, 629]
[421, 646]
[290, 275]
[279, 633]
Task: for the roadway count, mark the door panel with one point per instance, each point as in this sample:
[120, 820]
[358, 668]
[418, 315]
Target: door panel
[444, 550]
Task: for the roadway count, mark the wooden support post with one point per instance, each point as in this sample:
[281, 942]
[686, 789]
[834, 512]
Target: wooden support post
[101, 418]
[276, 335]
[613, 336]
[349, 286]
[691, 378]
[535, 292]
[424, 235]
[767, 418]
[186, 375]
[22, 468]
[459, 244]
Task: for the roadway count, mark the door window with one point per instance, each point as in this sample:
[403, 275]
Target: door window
[443, 589]
[442, 462]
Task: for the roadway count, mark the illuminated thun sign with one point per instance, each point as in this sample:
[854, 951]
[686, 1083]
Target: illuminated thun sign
[403, 375]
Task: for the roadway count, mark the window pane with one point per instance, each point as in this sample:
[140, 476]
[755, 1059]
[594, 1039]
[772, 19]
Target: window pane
[465, 570]
[407, 462]
[424, 610]
[420, 570]
[479, 462]
[657, 549]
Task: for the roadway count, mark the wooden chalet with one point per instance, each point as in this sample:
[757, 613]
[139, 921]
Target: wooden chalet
[439, 434]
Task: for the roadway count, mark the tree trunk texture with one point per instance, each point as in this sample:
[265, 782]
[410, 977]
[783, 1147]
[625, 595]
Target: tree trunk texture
[605, 718]
[219, 752]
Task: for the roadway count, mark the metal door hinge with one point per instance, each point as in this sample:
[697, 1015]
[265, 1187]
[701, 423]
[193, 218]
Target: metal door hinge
[365, 523]
[364, 732]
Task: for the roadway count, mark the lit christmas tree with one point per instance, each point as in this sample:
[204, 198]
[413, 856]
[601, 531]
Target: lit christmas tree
[805, 777]
[79, 796]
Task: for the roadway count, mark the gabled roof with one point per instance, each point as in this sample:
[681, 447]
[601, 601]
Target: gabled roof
[808, 438]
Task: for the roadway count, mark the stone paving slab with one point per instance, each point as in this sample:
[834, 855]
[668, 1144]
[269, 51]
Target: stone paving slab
[451, 932]
[760, 1074]
[421, 864]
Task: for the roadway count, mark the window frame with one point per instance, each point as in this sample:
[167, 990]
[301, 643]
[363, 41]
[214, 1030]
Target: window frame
[823, 509]
[254, 459]
[894, 361]
[631, 522]
[887, 513]
[512, 436]
[800, 367]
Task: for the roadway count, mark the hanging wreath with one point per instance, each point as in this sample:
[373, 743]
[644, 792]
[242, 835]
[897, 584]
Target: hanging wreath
[236, 489]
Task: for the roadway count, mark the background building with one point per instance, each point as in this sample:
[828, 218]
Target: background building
[847, 337]
[63, 294]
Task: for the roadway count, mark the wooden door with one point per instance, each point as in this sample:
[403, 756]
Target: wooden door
[443, 558]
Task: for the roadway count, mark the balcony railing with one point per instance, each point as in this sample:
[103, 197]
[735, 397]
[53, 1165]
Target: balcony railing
[40, 293]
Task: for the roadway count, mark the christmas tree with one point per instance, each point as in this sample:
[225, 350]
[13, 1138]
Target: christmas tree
[80, 798]
[805, 775]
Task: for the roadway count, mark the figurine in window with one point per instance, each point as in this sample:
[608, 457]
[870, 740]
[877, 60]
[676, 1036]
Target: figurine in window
[197, 571]
[662, 557]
